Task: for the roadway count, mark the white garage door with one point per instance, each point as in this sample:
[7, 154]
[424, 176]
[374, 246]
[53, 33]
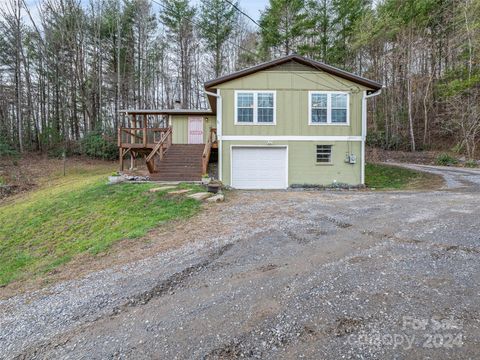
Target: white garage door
[259, 167]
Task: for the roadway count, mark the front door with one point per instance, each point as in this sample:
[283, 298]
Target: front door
[195, 130]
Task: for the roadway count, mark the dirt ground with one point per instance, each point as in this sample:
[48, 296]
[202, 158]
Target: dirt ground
[278, 275]
[29, 171]
[377, 155]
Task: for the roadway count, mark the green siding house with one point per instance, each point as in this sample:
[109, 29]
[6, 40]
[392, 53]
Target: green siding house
[290, 121]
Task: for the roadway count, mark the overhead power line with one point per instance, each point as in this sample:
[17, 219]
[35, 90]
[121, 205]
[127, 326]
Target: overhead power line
[271, 33]
[257, 56]
[244, 13]
[164, 7]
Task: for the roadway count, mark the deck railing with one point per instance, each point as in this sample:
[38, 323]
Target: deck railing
[140, 137]
[159, 149]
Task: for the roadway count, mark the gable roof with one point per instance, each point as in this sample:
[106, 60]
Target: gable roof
[302, 60]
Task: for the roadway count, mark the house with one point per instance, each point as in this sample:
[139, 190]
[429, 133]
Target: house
[288, 121]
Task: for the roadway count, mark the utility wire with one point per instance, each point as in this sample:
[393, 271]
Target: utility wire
[271, 33]
[245, 14]
[164, 7]
[257, 56]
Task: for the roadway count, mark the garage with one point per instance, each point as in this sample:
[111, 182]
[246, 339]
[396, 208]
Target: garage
[259, 167]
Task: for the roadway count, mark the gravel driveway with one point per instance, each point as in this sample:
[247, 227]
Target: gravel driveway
[298, 274]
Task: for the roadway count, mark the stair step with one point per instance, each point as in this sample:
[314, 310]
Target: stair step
[167, 159]
[176, 173]
[178, 178]
[183, 166]
[179, 174]
[180, 162]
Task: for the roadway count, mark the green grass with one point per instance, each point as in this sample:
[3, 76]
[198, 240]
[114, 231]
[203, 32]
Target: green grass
[79, 214]
[392, 177]
[445, 159]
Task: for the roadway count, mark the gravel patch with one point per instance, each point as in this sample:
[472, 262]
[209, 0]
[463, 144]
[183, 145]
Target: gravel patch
[327, 275]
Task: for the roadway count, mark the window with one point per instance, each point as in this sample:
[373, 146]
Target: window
[339, 108]
[324, 154]
[328, 108]
[245, 107]
[255, 107]
[265, 107]
[319, 108]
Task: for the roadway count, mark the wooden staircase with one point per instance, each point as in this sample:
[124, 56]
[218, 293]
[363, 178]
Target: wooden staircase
[165, 161]
[180, 162]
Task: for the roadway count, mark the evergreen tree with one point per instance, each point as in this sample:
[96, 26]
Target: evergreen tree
[178, 16]
[347, 13]
[217, 20]
[318, 33]
[283, 26]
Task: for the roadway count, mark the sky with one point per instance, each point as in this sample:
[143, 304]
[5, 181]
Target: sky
[251, 7]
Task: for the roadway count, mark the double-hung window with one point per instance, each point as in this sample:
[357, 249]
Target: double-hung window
[255, 107]
[328, 108]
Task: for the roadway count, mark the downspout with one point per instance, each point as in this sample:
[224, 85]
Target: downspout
[364, 130]
[219, 131]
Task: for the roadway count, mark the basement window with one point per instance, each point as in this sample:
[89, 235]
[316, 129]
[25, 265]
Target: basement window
[324, 154]
[255, 107]
[328, 108]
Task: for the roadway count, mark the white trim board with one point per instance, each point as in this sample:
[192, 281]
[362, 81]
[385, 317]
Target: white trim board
[289, 138]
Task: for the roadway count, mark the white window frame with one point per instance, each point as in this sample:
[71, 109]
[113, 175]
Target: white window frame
[329, 108]
[255, 107]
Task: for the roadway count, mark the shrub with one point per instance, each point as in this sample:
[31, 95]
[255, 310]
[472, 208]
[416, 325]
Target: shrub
[6, 149]
[56, 152]
[445, 159]
[471, 164]
[96, 145]
[378, 139]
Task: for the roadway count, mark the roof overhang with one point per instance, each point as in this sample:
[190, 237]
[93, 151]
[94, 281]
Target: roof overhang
[199, 112]
[373, 85]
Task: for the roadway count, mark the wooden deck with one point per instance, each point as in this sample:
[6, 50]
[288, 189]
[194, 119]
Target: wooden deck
[164, 160]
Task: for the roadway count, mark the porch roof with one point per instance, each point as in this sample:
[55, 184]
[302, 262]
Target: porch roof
[205, 112]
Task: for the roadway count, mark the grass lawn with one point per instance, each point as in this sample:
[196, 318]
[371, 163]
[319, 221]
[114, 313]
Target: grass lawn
[386, 177]
[76, 214]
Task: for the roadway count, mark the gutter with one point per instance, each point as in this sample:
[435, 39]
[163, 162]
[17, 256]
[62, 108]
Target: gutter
[212, 94]
[376, 93]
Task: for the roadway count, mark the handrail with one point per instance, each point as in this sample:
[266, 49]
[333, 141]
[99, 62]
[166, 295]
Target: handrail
[159, 145]
[130, 132]
[148, 129]
[206, 153]
[139, 135]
